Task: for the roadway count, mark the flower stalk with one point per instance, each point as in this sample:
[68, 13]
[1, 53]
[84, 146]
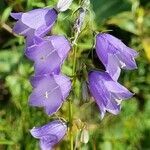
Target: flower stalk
[77, 30]
[70, 101]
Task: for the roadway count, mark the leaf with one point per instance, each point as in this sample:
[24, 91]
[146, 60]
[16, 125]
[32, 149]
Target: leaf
[146, 46]
[105, 8]
[67, 70]
[106, 145]
[8, 58]
[125, 21]
[6, 142]
[6, 14]
[39, 4]
[2, 6]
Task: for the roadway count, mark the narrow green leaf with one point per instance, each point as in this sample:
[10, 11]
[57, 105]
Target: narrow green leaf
[6, 14]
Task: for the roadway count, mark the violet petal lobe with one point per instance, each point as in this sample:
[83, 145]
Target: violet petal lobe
[49, 54]
[16, 16]
[61, 44]
[114, 54]
[49, 134]
[48, 92]
[107, 93]
[112, 67]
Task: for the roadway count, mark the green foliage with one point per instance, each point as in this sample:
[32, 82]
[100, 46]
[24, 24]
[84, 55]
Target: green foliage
[130, 130]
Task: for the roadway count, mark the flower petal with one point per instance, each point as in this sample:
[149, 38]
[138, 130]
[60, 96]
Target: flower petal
[102, 49]
[16, 16]
[113, 107]
[49, 49]
[48, 65]
[61, 44]
[119, 91]
[45, 143]
[34, 18]
[49, 92]
[127, 59]
[60, 80]
[21, 28]
[113, 67]
[98, 91]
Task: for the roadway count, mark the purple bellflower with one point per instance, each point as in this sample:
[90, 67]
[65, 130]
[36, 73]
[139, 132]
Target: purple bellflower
[36, 22]
[49, 91]
[49, 134]
[49, 54]
[107, 93]
[114, 54]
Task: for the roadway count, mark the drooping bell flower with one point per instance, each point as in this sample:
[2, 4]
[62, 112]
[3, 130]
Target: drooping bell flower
[49, 91]
[107, 93]
[49, 54]
[114, 54]
[36, 22]
[49, 134]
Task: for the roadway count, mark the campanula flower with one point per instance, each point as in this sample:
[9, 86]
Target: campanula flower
[49, 54]
[49, 134]
[49, 91]
[107, 93]
[114, 54]
[36, 22]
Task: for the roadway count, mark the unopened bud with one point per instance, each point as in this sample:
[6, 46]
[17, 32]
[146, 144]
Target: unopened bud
[84, 136]
[80, 20]
[85, 91]
[63, 5]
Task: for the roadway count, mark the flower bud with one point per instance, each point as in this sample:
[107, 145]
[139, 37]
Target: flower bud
[63, 5]
[84, 136]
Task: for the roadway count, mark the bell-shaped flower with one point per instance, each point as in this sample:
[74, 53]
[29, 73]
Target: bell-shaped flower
[107, 93]
[114, 54]
[49, 91]
[49, 134]
[36, 22]
[49, 54]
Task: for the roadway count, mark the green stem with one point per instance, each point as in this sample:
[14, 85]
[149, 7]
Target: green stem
[70, 101]
[70, 123]
[74, 62]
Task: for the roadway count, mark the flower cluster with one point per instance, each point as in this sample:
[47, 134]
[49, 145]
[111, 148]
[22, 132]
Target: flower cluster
[50, 86]
[105, 89]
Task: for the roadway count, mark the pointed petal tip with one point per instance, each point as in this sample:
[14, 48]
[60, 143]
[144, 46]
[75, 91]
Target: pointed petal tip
[114, 112]
[16, 16]
[33, 132]
[131, 94]
[50, 111]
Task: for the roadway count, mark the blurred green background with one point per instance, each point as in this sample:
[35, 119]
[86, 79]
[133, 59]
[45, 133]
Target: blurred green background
[128, 20]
